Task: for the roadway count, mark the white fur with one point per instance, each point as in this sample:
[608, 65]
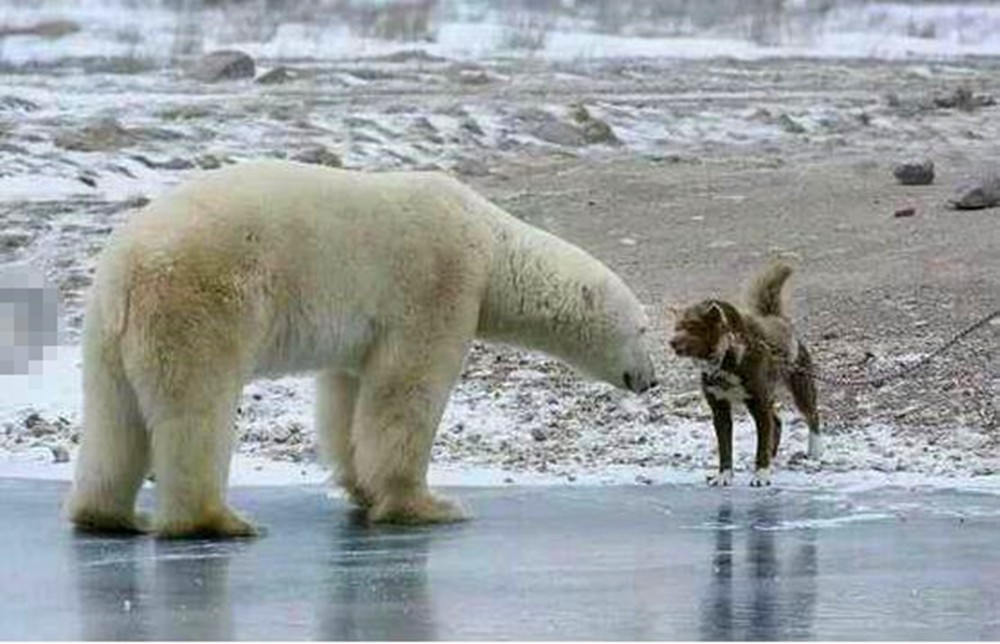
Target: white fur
[761, 477]
[815, 446]
[377, 281]
[721, 479]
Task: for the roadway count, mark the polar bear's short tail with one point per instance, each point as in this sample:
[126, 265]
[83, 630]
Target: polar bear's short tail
[114, 452]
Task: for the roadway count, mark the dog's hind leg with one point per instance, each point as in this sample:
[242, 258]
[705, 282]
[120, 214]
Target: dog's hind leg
[803, 388]
[776, 434]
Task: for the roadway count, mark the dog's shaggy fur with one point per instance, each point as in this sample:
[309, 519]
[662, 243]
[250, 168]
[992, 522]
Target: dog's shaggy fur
[744, 354]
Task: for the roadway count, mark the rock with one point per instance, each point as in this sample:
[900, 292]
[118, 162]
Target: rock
[964, 99]
[208, 162]
[468, 75]
[470, 125]
[790, 125]
[539, 435]
[13, 239]
[471, 167]
[319, 155]
[59, 454]
[594, 130]
[277, 76]
[51, 29]
[914, 173]
[137, 201]
[979, 192]
[174, 163]
[223, 65]
[547, 127]
[17, 104]
[905, 212]
[103, 135]
[410, 55]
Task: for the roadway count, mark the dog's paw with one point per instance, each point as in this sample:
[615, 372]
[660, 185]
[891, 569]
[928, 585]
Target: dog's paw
[815, 446]
[761, 478]
[724, 479]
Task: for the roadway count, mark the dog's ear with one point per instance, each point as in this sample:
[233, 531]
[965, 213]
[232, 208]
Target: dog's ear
[715, 313]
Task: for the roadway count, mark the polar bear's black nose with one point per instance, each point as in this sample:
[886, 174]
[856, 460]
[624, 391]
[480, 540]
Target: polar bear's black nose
[637, 383]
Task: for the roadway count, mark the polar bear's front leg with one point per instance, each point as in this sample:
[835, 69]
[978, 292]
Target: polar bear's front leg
[336, 395]
[398, 411]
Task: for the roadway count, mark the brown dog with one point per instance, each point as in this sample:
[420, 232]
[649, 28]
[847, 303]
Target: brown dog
[743, 355]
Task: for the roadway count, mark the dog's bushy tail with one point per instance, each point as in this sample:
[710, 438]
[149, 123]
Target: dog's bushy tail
[763, 295]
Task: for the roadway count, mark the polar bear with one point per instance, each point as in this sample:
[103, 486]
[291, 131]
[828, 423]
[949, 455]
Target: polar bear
[377, 281]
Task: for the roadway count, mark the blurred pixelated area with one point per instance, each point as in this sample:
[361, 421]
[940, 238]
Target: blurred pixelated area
[29, 320]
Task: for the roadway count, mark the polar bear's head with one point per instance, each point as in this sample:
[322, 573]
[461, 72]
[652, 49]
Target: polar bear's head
[615, 349]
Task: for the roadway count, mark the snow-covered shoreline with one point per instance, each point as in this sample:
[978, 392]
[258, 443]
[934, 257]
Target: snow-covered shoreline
[507, 427]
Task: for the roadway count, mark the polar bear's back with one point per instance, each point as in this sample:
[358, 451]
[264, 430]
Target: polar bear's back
[254, 246]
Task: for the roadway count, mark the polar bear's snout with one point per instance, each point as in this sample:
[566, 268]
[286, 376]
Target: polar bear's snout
[640, 380]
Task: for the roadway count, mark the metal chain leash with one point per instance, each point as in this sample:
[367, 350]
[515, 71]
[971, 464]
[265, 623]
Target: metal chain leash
[845, 381]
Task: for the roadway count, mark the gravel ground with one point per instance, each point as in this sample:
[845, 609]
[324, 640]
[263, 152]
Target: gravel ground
[684, 176]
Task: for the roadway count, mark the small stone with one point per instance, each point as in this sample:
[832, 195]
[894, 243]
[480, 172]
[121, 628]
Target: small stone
[319, 155]
[59, 454]
[277, 76]
[17, 104]
[137, 201]
[790, 125]
[174, 163]
[471, 167]
[643, 479]
[102, 135]
[223, 65]
[474, 77]
[964, 99]
[918, 173]
[208, 162]
[905, 212]
[12, 239]
[980, 192]
[539, 435]
[50, 29]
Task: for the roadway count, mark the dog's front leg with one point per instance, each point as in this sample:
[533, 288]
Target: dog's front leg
[722, 419]
[762, 411]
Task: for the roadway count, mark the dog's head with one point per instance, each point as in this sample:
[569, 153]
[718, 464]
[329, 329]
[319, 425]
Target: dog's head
[701, 331]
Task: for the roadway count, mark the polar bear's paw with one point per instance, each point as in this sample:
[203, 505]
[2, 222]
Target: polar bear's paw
[96, 521]
[357, 494]
[222, 524]
[416, 509]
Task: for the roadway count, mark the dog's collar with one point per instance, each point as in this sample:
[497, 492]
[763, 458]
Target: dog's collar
[729, 347]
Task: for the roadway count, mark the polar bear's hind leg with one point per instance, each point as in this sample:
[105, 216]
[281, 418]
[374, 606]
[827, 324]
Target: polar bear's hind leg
[114, 454]
[191, 448]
